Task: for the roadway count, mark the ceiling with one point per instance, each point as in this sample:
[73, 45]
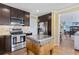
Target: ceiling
[39, 9]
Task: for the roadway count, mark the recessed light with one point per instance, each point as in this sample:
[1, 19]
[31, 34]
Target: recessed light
[37, 10]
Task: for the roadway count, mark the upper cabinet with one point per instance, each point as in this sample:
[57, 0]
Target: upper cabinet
[4, 15]
[27, 19]
[21, 14]
[16, 13]
[13, 12]
[6, 12]
[45, 19]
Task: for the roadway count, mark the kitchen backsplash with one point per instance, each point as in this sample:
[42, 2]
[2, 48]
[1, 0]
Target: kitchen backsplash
[26, 29]
[5, 29]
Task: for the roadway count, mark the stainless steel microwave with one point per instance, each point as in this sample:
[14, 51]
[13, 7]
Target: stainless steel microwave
[16, 21]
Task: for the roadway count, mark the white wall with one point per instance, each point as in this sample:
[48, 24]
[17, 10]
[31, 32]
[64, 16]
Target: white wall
[33, 24]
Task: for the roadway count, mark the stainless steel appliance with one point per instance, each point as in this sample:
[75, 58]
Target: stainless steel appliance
[16, 21]
[17, 39]
[43, 28]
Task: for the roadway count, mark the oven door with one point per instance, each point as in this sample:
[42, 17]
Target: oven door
[14, 40]
[22, 38]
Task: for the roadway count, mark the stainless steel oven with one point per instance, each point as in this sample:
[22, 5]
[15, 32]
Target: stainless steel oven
[22, 38]
[14, 40]
[18, 42]
[17, 39]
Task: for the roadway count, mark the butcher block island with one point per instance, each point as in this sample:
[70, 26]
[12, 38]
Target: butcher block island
[39, 44]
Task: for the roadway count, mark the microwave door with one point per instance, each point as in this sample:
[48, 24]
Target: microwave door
[16, 21]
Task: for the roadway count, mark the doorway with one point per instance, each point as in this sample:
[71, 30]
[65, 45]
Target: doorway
[65, 40]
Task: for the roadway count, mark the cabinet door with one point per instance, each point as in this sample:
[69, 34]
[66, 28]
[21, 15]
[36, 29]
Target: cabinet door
[20, 13]
[2, 45]
[13, 12]
[27, 19]
[4, 15]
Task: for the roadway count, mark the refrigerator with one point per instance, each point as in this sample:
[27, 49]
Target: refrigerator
[43, 28]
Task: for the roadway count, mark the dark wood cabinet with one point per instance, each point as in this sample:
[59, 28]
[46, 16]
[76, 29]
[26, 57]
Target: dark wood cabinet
[21, 14]
[4, 15]
[5, 44]
[13, 12]
[6, 12]
[27, 19]
[16, 13]
[2, 45]
[46, 18]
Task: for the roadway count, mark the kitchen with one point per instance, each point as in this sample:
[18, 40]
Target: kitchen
[27, 30]
[15, 23]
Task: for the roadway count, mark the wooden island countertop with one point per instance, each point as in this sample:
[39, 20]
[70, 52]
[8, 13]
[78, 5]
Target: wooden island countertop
[39, 44]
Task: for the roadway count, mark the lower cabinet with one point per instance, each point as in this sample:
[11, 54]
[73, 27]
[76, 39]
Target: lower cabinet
[3, 44]
[36, 49]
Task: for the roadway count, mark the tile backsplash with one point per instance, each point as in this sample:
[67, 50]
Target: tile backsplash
[26, 29]
[4, 30]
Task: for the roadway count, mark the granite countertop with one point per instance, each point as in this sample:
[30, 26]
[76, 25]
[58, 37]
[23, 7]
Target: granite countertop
[5, 34]
[40, 39]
